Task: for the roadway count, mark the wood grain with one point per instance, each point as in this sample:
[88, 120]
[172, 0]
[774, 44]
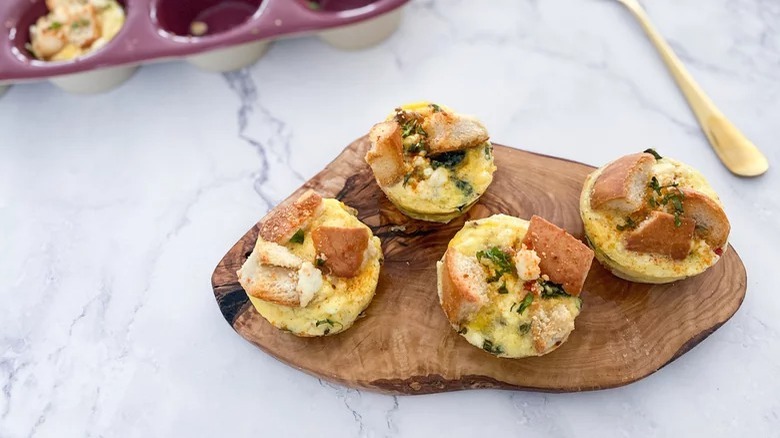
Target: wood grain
[404, 344]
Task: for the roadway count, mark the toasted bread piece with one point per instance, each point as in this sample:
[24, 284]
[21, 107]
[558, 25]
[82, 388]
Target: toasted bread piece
[451, 132]
[564, 259]
[82, 29]
[343, 248]
[712, 225]
[269, 253]
[463, 286]
[274, 284]
[282, 222]
[272, 273]
[550, 329]
[386, 156]
[47, 39]
[622, 184]
[659, 235]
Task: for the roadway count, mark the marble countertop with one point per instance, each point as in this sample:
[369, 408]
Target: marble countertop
[116, 207]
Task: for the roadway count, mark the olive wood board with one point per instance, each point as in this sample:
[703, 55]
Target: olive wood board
[404, 345]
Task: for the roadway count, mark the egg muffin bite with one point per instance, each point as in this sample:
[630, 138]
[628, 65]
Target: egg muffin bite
[432, 163]
[511, 287]
[73, 28]
[314, 267]
[651, 219]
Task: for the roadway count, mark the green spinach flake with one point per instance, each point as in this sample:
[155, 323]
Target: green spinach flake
[652, 202]
[652, 152]
[655, 185]
[499, 259]
[629, 225]
[552, 290]
[490, 348]
[464, 187]
[297, 237]
[410, 125]
[529, 298]
[450, 160]
[502, 289]
[675, 198]
[327, 321]
[524, 328]
[79, 23]
[416, 148]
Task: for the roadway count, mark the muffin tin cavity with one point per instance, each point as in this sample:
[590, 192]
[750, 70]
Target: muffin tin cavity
[216, 35]
[20, 37]
[200, 18]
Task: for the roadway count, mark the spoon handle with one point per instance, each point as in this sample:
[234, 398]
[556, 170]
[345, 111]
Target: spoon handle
[736, 152]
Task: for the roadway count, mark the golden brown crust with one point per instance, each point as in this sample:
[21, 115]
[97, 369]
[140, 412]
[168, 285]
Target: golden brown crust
[270, 274]
[712, 225]
[273, 254]
[658, 234]
[343, 248]
[564, 259]
[274, 284]
[386, 156]
[282, 222]
[622, 182]
[463, 286]
[451, 132]
[550, 328]
[83, 29]
[540, 344]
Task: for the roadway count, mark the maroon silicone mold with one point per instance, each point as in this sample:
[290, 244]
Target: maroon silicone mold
[176, 16]
[156, 29]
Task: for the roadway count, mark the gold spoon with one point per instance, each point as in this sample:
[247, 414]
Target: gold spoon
[738, 153]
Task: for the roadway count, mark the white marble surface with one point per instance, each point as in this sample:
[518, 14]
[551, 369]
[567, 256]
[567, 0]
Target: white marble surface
[116, 207]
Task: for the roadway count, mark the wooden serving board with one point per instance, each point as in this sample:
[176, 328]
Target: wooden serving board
[404, 344]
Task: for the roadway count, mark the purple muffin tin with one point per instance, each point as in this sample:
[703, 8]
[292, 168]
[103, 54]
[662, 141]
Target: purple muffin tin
[238, 34]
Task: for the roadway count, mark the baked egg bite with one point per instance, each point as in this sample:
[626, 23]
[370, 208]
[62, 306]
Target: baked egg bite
[511, 287]
[73, 28]
[651, 219]
[432, 163]
[314, 267]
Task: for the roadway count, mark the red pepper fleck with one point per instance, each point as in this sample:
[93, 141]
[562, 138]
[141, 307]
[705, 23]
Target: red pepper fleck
[719, 251]
[528, 285]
